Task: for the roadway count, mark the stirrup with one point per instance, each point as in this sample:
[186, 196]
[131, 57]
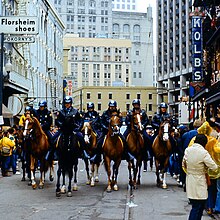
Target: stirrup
[93, 158]
[130, 156]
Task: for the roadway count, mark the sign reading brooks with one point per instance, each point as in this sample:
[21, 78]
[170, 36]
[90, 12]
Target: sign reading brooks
[19, 25]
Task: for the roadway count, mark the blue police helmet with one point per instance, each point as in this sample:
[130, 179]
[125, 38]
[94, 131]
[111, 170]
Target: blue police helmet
[90, 105]
[68, 99]
[112, 103]
[43, 103]
[28, 108]
[163, 105]
[136, 101]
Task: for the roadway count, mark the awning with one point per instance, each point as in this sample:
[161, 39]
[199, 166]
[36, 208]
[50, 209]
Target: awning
[6, 112]
[213, 98]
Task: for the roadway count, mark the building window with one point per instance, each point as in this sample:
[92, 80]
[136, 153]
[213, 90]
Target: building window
[127, 96]
[110, 96]
[99, 95]
[99, 106]
[138, 96]
[150, 96]
[134, 74]
[140, 75]
[127, 107]
[88, 95]
[150, 107]
[137, 52]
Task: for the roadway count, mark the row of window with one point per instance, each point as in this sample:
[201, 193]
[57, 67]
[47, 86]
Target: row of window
[124, 6]
[110, 96]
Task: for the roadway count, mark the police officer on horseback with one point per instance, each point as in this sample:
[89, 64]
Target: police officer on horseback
[144, 121]
[161, 116]
[105, 119]
[69, 120]
[28, 112]
[92, 116]
[44, 117]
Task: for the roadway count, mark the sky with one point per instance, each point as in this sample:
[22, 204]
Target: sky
[143, 4]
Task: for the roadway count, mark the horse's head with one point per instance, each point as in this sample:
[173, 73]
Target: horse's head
[87, 129]
[115, 123]
[136, 118]
[164, 130]
[28, 126]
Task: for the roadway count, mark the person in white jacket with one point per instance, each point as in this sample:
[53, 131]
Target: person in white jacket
[195, 162]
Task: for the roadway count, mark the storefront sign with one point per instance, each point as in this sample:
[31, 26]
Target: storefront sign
[19, 25]
[197, 49]
[19, 39]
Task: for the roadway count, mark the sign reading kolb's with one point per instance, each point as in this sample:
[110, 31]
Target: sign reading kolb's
[19, 25]
[197, 48]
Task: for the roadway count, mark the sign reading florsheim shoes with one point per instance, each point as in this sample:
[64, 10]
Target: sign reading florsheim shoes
[19, 25]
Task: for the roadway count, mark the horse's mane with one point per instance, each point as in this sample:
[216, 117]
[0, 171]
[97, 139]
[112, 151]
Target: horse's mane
[39, 129]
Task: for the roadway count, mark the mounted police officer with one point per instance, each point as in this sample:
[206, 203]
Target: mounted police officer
[44, 117]
[28, 112]
[161, 116]
[69, 120]
[144, 121]
[105, 119]
[93, 116]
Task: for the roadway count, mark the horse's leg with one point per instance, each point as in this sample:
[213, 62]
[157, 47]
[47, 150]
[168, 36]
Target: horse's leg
[70, 172]
[58, 191]
[97, 172]
[42, 174]
[116, 167]
[87, 171]
[92, 181]
[166, 163]
[139, 164]
[135, 170]
[129, 173]
[51, 174]
[108, 170]
[157, 172]
[23, 168]
[32, 166]
[63, 188]
[75, 187]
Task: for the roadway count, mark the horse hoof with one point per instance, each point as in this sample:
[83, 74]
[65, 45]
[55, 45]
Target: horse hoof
[75, 188]
[69, 194]
[164, 186]
[41, 186]
[96, 179]
[88, 182]
[51, 178]
[92, 183]
[63, 190]
[23, 179]
[29, 183]
[109, 189]
[115, 188]
[58, 194]
[34, 186]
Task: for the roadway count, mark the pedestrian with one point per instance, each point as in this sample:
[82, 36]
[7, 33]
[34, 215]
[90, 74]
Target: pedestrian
[6, 147]
[195, 162]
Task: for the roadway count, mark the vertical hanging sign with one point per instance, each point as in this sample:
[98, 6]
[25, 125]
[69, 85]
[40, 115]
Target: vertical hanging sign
[197, 56]
[197, 49]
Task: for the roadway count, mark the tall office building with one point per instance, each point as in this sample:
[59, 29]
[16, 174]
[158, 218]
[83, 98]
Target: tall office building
[88, 18]
[124, 5]
[138, 27]
[174, 67]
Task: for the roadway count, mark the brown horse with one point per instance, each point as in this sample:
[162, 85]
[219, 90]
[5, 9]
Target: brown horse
[39, 146]
[112, 151]
[91, 141]
[162, 149]
[136, 147]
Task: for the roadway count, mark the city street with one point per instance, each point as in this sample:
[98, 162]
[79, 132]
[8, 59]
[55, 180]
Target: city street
[20, 201]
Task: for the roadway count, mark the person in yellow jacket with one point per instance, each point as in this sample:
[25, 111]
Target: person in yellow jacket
[28, 113]
[6, 147]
